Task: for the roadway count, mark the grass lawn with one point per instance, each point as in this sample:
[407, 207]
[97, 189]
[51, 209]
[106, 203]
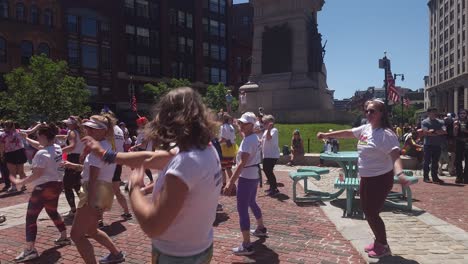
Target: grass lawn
[309, 133]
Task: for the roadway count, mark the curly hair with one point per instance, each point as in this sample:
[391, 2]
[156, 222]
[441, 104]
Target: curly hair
[182, 119]
[48, 130]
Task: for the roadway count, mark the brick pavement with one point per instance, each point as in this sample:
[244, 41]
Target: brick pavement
[296, 235]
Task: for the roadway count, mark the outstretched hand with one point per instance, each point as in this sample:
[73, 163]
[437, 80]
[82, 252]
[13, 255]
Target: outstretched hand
[321, 135]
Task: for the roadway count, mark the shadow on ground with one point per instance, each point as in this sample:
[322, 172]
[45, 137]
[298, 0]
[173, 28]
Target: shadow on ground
[115, 228]
[50, 255]
[263, 254]
[395, 260]
[221, 217]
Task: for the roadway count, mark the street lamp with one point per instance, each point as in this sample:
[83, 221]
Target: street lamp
[384, 63]
[395, 75]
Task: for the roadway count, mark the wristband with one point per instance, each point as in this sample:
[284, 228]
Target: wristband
[109, 156]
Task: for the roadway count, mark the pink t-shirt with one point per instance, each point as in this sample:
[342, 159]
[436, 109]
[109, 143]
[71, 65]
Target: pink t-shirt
[12, 141]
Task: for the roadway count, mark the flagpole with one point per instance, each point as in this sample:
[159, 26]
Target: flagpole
[384, 63]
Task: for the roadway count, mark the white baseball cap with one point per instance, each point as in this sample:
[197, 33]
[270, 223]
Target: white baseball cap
[92, 123]
[248, 118]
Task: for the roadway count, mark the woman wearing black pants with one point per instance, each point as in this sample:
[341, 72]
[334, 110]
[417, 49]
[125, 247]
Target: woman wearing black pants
[271, 153]
[460, 132]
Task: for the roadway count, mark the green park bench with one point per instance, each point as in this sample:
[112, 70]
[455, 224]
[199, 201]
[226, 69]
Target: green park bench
[351, 185]
[304, 174]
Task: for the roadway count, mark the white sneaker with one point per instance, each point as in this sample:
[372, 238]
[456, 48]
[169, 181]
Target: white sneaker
[12, 189]
[243, 250]
[27, 255]
[69, 214]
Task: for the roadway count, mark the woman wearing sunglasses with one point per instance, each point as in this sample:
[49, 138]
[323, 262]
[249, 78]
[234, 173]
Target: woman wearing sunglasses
[379, 160]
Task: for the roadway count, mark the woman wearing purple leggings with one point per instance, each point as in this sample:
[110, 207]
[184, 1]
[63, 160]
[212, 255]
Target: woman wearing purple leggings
[379, 158]
[47, 189]
[247, 171]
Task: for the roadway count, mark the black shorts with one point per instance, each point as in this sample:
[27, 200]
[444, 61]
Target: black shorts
[117, 173]
[72, 178]
[16, 157]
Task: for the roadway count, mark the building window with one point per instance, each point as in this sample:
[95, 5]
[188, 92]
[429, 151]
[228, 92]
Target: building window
[222, 53]
[206, 74]
[43, 48]
[142, 8]
[72, 23]
[73, 54]
[106, 58]
[89, 27]
[172, 17]
[175, 70]
[222, 6]
[130, 35]
[26, 51]
[154, 39]
[154, 10]
[215, 75]
[89, 56]
[3, 50]
[206, 26]
[222, 30]
[130, 7]
[181, 18]
[214, 6]
[214, 52]
[20, 12]
[239, 63]
[104, 30]
[143, 37]
[206, 49]
[3, 8]
[34, 15]
[214, 28]
[48, 18]
[131, 63]
[182, 43]
[143, 65]
[155, 67]
[189, 20]
[189, 46]
[223, 76]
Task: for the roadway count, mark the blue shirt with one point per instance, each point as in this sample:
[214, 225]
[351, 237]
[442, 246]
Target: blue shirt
[436, 124]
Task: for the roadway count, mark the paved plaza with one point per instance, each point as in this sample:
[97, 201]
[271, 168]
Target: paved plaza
[435, 232]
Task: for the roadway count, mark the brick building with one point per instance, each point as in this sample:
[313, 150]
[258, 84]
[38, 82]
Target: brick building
[241, 39]
[118, 46]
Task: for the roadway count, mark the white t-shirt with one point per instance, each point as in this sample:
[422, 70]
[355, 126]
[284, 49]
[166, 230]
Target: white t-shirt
[79, 146]
[192, 230]
[48, 158]
[251, 145]
[106, 171]
[374, 147]
[227, 131]
[118, 139]
[140, 138]
[270, 148]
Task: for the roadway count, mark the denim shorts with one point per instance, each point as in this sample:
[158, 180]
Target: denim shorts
[202, 258]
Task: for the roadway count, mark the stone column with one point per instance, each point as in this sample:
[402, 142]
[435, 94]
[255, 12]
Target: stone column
[455, 100]
[465, 98]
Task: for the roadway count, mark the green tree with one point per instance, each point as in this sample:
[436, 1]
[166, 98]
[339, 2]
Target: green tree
[159, 89]
[407, 114]
[215, 98]
[43, 91]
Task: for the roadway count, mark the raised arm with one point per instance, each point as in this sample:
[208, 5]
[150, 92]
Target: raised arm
[347, 133]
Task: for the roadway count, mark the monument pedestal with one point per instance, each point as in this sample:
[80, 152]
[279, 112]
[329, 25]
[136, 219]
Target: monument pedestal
[288, 77]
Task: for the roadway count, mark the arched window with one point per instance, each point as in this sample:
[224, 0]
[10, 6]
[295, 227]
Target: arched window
[20, 12]
[3, 50]
[34, 15]
[26, 51]
[3, 8]
[48, 18]
[43, 48]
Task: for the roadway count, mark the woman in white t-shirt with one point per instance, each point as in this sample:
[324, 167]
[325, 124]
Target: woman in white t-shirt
[271, 153]
[227, 135]
[47, 188]
[379, 157]
[248, 173]
[179, 220]
[96, 195]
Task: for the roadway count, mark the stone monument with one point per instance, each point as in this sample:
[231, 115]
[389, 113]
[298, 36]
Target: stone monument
[288, 76]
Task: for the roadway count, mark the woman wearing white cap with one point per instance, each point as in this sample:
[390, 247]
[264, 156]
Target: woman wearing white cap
[72, 178]
[96, 195]
[247, 171]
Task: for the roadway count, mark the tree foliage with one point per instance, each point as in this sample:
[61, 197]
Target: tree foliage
[215, 98]
[161, 88]
[43, 91]
[405, 116]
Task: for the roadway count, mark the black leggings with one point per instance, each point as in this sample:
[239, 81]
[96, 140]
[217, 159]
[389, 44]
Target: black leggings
[72, 181]
[268, 165]
[44, 196]
[5, 174]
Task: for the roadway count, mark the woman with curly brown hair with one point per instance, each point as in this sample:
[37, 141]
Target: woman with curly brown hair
[179, 219]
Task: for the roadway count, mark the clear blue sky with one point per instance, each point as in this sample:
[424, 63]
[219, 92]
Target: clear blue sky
[358, 33]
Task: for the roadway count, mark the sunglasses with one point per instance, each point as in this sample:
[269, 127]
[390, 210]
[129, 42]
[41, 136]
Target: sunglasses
[370, 111]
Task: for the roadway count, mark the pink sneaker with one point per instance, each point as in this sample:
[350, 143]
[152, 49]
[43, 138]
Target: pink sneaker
[379, 251]
[369, 248]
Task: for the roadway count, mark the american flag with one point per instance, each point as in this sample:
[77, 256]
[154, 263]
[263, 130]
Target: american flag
[406, 102]
[392, 91]
[134, 103]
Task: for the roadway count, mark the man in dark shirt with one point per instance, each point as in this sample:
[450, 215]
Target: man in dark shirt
[460, 132]
[434, 132]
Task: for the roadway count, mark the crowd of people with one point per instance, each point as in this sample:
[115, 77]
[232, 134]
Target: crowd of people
[198, 158]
